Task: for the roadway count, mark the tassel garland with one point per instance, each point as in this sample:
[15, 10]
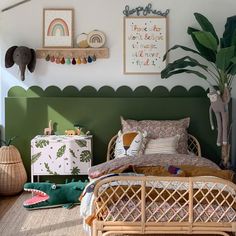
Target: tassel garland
[69, 61]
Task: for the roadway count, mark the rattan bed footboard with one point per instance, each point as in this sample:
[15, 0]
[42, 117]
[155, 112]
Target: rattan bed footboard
[164, 205]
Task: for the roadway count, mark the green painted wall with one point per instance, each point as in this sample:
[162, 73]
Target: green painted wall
[28, 113]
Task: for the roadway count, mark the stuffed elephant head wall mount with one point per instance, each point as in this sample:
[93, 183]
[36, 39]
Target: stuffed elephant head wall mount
[22, 56]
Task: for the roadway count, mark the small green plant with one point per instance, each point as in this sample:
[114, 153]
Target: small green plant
[7, 142]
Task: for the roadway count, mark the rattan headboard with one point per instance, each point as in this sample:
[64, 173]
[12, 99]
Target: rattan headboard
[193, 146]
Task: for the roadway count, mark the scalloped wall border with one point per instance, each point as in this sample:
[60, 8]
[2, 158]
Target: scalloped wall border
[106, 91]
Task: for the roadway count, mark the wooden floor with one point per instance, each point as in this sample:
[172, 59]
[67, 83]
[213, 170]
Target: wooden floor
[17, 221]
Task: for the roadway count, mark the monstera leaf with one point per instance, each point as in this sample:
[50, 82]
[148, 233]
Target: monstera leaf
[41, 143]
[85, 156]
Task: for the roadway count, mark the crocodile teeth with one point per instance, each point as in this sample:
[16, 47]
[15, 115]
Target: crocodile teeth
[38, 197]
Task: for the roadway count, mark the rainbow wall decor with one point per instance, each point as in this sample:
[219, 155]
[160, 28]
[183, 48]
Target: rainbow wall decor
[58, 25]
[96, 39]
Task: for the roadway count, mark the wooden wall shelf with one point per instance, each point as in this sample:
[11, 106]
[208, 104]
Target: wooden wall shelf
[42, 53]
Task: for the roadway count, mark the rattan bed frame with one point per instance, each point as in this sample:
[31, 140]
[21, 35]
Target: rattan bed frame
[189, 223]
[191, 192]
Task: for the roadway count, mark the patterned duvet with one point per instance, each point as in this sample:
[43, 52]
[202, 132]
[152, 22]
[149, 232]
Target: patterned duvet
[165, 212]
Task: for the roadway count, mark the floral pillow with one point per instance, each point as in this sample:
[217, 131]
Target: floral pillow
[130, 144]
[161, 129]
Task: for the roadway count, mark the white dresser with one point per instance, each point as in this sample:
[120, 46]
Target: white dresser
[60, 155]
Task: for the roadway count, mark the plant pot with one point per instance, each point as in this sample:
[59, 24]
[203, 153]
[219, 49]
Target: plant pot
[12, 171]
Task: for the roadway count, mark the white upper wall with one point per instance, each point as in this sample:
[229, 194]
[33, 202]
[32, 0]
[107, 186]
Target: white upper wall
[23, 26]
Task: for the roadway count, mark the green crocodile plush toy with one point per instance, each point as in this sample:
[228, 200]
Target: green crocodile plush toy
[46, 195]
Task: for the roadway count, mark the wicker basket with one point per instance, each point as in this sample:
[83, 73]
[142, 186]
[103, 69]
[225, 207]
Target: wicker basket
[12, 171]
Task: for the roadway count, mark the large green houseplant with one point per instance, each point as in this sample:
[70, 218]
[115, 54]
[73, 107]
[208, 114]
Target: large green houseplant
[214, 60]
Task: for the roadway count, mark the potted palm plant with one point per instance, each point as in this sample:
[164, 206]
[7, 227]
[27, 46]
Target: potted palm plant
[214, 61]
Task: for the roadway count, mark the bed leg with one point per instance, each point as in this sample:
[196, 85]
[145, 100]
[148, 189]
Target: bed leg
[94, 229]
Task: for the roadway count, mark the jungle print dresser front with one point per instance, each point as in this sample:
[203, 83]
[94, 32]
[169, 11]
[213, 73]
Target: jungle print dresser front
[60, 155]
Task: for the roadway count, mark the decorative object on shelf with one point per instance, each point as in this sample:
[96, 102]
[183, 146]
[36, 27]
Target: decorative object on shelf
[73, 62]
[81, 40]
[94, 58]
[84, 61]
[12, 172]
[52, 59]
[220, 54]
[58, 28]
[49, 129]
[78, 61]
[63, 61]
[22, 56]
[68, 62]
[145, 43]
[89, 59]
[145, 10]
[96, 39]
[47, 58]
[58, 61]
[72, 56]
[66, 195]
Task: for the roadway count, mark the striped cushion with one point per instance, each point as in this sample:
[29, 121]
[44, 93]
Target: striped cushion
[162, 145]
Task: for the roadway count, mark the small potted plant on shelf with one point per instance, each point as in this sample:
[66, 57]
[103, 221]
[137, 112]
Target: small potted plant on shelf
[217, 66]
[12, 171]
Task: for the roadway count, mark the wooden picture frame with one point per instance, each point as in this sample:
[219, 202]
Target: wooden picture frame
[58, 28]
[145, 43]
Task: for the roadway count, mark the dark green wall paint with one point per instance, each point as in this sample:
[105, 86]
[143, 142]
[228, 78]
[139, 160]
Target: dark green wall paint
[28, 113]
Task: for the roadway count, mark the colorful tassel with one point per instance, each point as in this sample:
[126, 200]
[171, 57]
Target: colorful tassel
[63, 61]
[84, 61]
[90, 59]
[73, 61]
[58, 61]
[68, 62]
[78, 61]
[52, 59]
[47, 58]
[94, 58]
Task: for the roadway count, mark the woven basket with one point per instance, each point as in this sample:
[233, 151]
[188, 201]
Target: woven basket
[12, 171]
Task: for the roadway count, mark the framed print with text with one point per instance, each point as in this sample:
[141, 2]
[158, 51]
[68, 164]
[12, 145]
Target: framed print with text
[145, 43]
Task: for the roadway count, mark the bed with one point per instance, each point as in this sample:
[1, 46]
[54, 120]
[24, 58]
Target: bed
[138, 204]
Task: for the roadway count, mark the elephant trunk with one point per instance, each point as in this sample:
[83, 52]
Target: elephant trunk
[22, 72]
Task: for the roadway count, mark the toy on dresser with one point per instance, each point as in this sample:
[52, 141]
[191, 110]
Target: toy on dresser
[77, 131]
[49, 129]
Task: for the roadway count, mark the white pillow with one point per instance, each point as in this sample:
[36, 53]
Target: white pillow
[162, 145]
[130, 143]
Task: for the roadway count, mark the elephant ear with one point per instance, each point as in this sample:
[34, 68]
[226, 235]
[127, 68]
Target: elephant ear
[32, 64]
[9, 62]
